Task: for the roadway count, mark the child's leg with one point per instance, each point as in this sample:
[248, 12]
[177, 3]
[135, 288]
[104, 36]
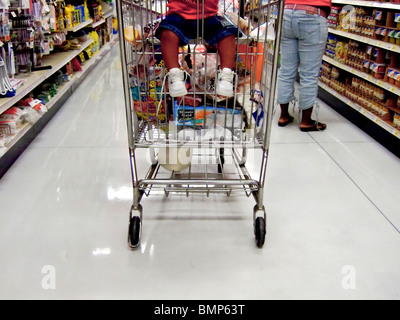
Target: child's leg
[170, 48]
[227, 56]
[227, 52]
[170, 51]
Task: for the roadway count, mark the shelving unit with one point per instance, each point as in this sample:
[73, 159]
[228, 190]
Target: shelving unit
[56, 61]
[385, 85]
[371, 4]
[361, 110]
[80, 26]
[382, 130]
[32, 80]
[373, 42]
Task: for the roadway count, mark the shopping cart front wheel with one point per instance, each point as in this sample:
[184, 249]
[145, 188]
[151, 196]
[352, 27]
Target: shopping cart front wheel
[135, 227]
[260, 226]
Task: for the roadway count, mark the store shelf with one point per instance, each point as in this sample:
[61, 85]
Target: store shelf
[372, 4]
[381, 130]
[107, 9]
[81, 26]
[18, 135]
[62, 90]
[97, 23]
[108, 14]
[26, 133]
[32, 80]
[53, 62]
[370, 41]
[375, 119]
[385, 85]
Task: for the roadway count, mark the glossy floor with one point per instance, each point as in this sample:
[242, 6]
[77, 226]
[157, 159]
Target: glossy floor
[331, 199]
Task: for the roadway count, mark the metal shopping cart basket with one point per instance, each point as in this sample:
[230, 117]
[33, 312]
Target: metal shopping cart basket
[198, 144]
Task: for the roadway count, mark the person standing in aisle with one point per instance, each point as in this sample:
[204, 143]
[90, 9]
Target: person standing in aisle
[304, 36]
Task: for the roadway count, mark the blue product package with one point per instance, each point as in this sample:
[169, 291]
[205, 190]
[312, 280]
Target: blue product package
[195, 116]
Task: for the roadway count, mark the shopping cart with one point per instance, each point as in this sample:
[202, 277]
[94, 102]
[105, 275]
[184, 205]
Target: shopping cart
[198, 144]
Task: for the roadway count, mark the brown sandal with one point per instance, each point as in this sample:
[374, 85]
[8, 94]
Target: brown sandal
[316, 126]
[285, 123]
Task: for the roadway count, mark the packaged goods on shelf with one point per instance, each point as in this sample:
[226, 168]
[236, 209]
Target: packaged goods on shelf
[3, 141]
[396, 120]
[33, 37]
[333, 18]
[393, 76]
[364, 45]
[34, 104]
[11, 120]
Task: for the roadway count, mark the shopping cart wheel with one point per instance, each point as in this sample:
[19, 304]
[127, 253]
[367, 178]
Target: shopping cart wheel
[135, 227]
[260, 231]
[134, 232]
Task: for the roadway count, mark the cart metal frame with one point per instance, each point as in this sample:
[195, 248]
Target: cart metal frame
[222, 158]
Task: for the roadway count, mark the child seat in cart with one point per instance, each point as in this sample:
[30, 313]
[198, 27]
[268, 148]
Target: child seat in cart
[198, 143]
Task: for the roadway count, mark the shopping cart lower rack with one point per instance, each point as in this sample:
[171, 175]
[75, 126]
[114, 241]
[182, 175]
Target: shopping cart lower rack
[199, 143]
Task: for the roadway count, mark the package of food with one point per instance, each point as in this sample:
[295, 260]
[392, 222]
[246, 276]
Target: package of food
[206, 116]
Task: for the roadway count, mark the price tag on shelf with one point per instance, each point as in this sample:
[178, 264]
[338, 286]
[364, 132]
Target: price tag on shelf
[372, 117]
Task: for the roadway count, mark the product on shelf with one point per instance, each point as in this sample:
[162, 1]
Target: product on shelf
[379, 24]
[366, 72]
[3, 140]
[32, 33]
[11, 120]
[396, 120]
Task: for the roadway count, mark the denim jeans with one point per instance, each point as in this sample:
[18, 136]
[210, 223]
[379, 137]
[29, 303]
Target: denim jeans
[302, 46]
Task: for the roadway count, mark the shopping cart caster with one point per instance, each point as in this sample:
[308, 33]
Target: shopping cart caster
[135, 228]
[260, 226]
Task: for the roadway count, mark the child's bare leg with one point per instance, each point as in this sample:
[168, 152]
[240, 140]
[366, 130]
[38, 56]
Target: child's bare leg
[170, 51]
[227, 57]
[170, 48]
[227, 52]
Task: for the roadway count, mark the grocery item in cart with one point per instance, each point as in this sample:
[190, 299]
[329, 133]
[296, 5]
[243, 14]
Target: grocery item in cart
[146, 90]
[206, 116]
[175, 158]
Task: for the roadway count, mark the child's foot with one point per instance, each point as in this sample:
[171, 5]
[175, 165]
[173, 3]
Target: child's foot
[225, 83]
[176, 83]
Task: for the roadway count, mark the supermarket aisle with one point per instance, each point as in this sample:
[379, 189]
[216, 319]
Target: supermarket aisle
[333, 222]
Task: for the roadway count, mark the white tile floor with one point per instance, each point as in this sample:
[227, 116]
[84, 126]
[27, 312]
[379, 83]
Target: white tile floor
[331, 198]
